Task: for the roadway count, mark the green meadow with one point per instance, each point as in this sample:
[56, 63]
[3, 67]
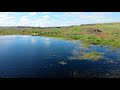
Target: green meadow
[98, 34]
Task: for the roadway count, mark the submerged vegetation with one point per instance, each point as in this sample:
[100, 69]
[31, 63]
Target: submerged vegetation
[75, 74]
[62, 63]
[93, 74]
[94, 56]
[102, 34]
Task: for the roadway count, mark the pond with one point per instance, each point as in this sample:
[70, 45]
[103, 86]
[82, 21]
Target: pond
[24, 56]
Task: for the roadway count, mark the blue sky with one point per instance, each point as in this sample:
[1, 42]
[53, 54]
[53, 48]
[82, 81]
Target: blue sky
[47, 19]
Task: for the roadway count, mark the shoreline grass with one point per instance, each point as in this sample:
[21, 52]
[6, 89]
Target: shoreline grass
[110, 33]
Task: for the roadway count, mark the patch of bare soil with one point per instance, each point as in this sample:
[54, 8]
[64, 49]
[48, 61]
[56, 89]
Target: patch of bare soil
[93, 31]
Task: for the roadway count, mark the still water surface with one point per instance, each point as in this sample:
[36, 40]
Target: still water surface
[24, 56]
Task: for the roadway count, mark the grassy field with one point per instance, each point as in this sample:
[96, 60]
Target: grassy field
[102, 34]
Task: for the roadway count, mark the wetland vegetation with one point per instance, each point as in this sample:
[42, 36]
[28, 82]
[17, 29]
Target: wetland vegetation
[87, 56]
[98, 34]
[88, 50]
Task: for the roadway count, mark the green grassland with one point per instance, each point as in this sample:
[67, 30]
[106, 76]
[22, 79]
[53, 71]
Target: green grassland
[109, 33]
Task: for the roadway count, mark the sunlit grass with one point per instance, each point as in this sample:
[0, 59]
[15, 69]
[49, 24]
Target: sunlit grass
[110, 33]
[93, 56]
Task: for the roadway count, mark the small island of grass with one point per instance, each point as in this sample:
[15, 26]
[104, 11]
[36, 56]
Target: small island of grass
[94, 56]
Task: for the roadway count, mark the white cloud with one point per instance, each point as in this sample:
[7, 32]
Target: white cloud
[46, 17]
[40, 21]
[43, 19]
[6, 19]
[46, 12]
[33, 13]
[24, 21]
[33, 40]
[88, 17]
[23, 18]
[47, 41]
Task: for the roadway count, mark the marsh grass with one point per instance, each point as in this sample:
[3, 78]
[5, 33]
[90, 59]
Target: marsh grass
[74, 74]
[94, 74]
[110, 33]
[94, 56]
[34, 34]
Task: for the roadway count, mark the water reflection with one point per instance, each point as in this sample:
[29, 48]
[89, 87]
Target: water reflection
[13, 36]
[34, 56]
[47, 41]
[33, 40]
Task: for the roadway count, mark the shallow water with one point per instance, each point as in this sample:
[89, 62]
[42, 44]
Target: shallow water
[24, 56]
